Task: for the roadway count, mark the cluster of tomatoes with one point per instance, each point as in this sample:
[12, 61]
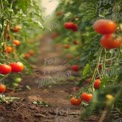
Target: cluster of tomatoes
[86, 97]
[109, 40]
[14, 67]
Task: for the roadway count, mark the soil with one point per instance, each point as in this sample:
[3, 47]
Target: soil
[47, 85]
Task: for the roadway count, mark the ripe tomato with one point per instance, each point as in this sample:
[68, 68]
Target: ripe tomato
[16, 42]
[86, 97]
[27, 55]
[110, 41]
[74, 27]
[75, 101]
[16, 28]
[104, 26]
[75, 68]
[97, 83]
[71, 26]
[31, 52]
[8, 49]
[17, 66]
[75, 42]
[2, 88]
[5, 69]
[66, 46]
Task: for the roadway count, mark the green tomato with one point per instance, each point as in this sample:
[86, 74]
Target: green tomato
[15, 84]
[18, 80]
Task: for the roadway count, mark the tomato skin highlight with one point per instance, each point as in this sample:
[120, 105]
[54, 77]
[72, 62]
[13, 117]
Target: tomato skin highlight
[104, 26]
[75, 101]
[97, 84]
[2, 88]
[5, 69]
[109, 42]
[75, 68]
[17, 67]
[86, 97]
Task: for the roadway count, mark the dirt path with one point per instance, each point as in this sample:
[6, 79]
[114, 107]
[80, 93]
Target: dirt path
[50, 69]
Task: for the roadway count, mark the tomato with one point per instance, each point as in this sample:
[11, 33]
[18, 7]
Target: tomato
[8, 49]
[75, 68]
[16, 42]
[69, 56]
[71, 26]
[5, 69]
[2, 88]
[104, 26]
[75, 101]
[75, 42]
[74, 27]
[97, 83]
[110, 41]
[16, 28]
[66, 46]
[17, 66]
[27, 55]
[86, 97]
[18, 80]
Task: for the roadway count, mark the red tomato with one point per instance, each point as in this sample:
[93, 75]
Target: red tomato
[97, 83]
[5, 69]
[16, 42]
[104, 26]
[17, 66]
[86, 97]
[75, 101]
[71, 26]
[16, 28]
[2, 88]
[75, 68]
[66, 46]
[74, 27]
[68, 25]
[75, 42]
[110, 42]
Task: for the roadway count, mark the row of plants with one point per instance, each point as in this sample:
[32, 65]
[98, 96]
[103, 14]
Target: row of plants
[20, 24]
[90, 33]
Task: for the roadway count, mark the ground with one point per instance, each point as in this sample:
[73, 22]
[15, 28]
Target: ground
[49, 69]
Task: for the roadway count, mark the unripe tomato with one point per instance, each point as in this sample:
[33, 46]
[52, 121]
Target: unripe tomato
[75, 101]
[110, 42]
[86, 97]
[16, 42]
[5, 69]
[97, 83]
[75, 68]
[17, 66]
[16, 28]
[104, 26]
[2, 88]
